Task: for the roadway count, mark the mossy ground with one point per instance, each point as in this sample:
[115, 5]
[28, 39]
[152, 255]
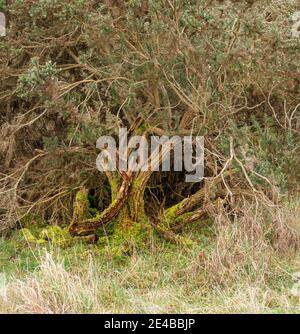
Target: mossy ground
[159, 277]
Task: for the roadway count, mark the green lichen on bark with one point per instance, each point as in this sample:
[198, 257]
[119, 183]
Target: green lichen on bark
[81, 205]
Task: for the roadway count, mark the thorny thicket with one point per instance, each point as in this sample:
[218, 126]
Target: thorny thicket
[74, 70]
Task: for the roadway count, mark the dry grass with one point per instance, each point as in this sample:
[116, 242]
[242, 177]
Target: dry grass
[227, 273]
[136, 289]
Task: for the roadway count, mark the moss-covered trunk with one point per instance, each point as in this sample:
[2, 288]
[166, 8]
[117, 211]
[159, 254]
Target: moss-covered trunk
[125, 215]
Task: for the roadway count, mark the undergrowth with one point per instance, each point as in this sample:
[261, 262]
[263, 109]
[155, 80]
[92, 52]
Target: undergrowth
[228, 270]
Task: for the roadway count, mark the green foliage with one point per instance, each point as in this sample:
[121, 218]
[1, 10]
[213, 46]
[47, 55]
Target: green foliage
[266, 151]
[43, 9]
[33, 82]
[219, 69]
[2, 5]
[51, 143]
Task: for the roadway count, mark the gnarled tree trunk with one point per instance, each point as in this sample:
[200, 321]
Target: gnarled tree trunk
[127, 209]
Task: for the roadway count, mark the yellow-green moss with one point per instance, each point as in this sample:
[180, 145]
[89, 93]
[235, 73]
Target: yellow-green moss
[29, 237]
[81, 207]
[81, 204]
[115, 183]
[126, 238]
[55, 234]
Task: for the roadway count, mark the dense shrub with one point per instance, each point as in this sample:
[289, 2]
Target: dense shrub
[73, 70]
